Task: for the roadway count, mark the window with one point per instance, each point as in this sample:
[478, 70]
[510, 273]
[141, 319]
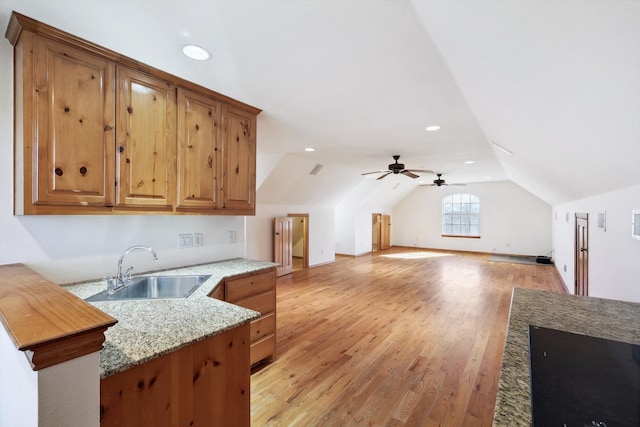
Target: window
[461, 215]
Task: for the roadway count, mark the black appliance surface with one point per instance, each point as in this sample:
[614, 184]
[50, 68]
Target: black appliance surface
[579, 380]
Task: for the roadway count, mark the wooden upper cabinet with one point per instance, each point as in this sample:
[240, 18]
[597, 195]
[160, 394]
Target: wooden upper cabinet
[146, 141]
[71, 95]
[239, 161]
[100, 133]
[200, 134]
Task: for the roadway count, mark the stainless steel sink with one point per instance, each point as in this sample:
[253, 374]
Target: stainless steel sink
[154, 287]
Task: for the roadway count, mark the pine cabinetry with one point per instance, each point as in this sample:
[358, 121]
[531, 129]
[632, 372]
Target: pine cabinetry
[257, 292]
[204, 384]
[146, 140]
[67, 114]
[239, 160]
[99, 133]
[199, 128]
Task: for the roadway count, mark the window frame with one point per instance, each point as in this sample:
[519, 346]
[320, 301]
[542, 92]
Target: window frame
[464, 212]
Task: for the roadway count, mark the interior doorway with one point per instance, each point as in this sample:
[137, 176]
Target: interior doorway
[582, 255]
[300, 240]
[376, 220]
[282, 245]
[380, 232]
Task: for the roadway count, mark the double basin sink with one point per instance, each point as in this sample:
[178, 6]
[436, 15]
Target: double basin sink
[153, 287]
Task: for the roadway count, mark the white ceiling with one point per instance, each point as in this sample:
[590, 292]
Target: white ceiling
[557, 83]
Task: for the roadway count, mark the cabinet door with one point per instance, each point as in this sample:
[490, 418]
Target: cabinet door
[73, 111]
[199, 134]
[239, 161]
[146, 141]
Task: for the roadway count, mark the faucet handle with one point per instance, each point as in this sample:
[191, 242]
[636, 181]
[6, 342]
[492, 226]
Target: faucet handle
[127, 274]
[112, 284]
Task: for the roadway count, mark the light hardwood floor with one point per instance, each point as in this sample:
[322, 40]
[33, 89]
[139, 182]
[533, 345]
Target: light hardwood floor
[400, 338]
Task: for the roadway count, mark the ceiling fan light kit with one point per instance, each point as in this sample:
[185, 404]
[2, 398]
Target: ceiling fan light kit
[398, 168]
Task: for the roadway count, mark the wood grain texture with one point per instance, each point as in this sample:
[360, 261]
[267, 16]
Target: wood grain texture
[204, 384]
[19, 23]
[257, 291]
[391, 340]
[46, 322]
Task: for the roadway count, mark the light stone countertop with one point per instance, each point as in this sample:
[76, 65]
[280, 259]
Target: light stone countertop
[603, 318]
[147, 329]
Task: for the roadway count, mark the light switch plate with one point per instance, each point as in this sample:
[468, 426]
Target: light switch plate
[198, 239]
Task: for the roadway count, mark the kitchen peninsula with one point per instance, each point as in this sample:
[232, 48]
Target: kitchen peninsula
[171, 361]
[597, 317]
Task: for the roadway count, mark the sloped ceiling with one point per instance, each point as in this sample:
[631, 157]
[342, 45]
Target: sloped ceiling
[557, 83]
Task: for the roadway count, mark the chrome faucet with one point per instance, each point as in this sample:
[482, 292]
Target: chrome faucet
[123, 279]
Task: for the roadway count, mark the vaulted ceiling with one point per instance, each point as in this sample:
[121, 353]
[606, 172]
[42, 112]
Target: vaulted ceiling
[555, 83]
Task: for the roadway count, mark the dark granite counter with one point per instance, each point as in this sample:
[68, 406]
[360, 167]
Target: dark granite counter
[611, 319]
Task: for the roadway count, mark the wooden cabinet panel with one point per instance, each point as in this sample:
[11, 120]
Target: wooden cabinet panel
[262, 327]
[239, 160]
[146, 140]
[198, 163]
[263, 349]
[204, 384]
[73, 105]
[264, 302]
[247, 286]
[217, 293]
[257, 292]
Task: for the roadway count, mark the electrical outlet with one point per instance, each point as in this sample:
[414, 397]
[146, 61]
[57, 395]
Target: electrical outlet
[231, 236]
[198, 239]
[185, 241]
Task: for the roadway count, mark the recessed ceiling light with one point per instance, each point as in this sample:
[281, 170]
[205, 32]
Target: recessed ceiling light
[309, 149]
[487, 177]
[195, 52]
[469, 162]
[433, 128]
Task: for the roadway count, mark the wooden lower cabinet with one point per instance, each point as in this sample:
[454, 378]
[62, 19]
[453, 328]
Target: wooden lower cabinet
[204, 384]
[257, 292]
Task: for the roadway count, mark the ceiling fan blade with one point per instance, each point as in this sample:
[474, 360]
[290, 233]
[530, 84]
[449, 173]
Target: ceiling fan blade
[369, 173]
[459, 185]
[409, 174]
[382, 176]
[419, 170]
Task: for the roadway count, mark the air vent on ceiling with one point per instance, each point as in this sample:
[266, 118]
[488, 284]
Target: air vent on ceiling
[316, 169]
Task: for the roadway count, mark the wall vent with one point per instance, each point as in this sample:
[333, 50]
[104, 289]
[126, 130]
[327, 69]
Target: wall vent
[316, 169]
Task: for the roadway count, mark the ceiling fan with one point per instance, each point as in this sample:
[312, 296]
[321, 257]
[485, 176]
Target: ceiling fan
[439, 182]
[396, 168]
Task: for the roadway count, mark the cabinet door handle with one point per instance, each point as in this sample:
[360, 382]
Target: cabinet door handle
[121, 149]
[58, 171]
[83, 171]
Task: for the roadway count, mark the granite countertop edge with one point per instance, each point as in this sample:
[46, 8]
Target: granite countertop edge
[148, 329]
[598, 317]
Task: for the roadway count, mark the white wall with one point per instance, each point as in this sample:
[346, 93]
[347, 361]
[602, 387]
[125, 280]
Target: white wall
[512, 220]
[614, 257]
[259, 244]
[66, 394]
[72, 248]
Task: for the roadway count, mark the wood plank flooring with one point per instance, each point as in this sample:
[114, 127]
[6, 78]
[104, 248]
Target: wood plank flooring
[404, 337]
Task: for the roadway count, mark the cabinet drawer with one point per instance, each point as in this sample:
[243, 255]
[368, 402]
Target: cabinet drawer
[262, 349]
[264, 303]
[246, 286]
[266, 325]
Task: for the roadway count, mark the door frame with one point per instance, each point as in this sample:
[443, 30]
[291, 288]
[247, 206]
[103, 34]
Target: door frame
[305, 236]
[581, 255]
[282, 245]
[376, 219]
